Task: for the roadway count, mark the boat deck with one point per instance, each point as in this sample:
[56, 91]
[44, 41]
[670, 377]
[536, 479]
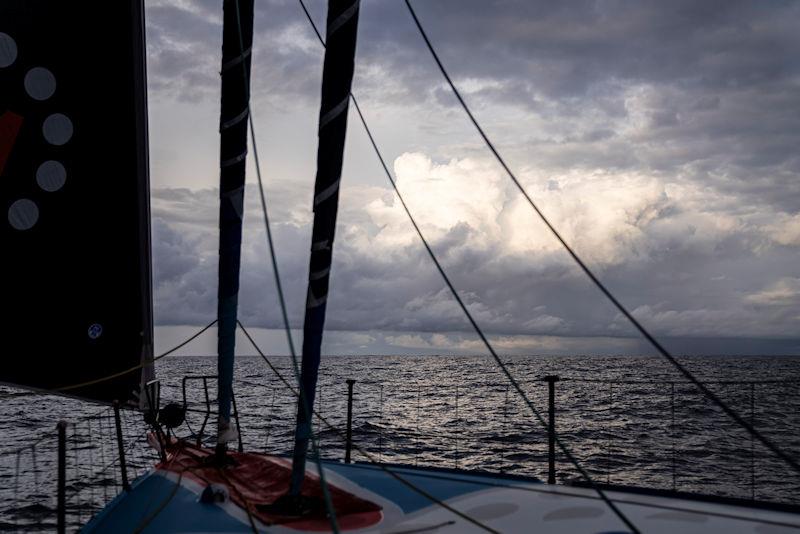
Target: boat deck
[369, 499]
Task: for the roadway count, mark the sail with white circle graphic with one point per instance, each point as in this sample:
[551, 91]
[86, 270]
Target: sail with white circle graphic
[74, 208]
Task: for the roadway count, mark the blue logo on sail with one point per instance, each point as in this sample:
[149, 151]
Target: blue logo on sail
[95, 331]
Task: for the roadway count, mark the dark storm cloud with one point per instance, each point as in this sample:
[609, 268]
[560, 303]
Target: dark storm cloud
[184, 51]
[560, 50]
[564, 49]
[182, 46]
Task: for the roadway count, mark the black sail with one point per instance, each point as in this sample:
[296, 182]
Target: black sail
[74, 192]
[337, 78]
[237, 40]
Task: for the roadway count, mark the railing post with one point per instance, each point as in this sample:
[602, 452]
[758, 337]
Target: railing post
[380, 426]
[62, 478]
[121, 447]
[752, 449]
[608, 444]
[458, 421]
[672, 434]
[349, 437]
[551, 427]
[236, 418]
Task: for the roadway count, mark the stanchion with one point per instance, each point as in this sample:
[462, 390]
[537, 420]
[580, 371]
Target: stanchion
[62, 478]
[551, 427]
[121, 447]
[349, 436]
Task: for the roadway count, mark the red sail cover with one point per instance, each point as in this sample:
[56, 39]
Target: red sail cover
[74, 215]
[257, 480]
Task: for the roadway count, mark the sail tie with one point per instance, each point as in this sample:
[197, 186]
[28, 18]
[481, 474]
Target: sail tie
[234, 160]
[320, 245]
[315, 302]
[326, 193]
[236, 60]
[235, 120]
[316, 275]
[333, 112]
[339, 21]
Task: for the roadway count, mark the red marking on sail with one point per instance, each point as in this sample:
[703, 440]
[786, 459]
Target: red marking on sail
[257, 479]
[10, 124]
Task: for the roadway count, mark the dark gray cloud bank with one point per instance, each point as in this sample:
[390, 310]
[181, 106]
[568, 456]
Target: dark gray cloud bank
[660, 137]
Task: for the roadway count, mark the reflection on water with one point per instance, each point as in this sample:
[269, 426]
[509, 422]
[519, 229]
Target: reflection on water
[635, 422]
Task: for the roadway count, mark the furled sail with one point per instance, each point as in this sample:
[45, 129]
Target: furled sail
[237, 38]
[75, 226]
[337, 78]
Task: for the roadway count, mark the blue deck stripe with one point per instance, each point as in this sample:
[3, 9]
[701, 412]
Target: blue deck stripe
[183, 514]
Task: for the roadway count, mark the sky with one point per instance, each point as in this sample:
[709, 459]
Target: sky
[660, 138]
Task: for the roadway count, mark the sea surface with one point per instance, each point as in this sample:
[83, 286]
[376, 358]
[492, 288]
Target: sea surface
[626, 420]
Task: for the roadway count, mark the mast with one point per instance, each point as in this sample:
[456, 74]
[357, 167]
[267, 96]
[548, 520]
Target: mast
[143, 164]
[237, 39]
[337, 78]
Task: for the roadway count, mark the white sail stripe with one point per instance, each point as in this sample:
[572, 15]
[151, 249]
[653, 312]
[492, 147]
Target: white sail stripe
[235, 120]
[234, 161]
[235, 61]
[339, 21]
[316, 275]
[320, 245]
[327, 193]
[333, 113]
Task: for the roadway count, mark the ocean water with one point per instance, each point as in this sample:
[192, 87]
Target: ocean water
[626, 420]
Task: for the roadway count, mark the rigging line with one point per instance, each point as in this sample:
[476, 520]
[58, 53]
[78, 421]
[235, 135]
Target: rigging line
[313, 25]
[474, 324]
[134, 368]
[303, 404]
[370, 458]
[269, 363]
[596, 281]
[272, 254]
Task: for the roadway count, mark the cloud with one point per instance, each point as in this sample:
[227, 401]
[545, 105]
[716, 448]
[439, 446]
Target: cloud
[786, 230]
[659, 138]
[784, 292]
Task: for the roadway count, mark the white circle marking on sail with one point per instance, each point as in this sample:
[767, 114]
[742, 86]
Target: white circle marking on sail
[23, 214]
[8, 50]
[40, 84]
[51, 176]
[57, 129]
